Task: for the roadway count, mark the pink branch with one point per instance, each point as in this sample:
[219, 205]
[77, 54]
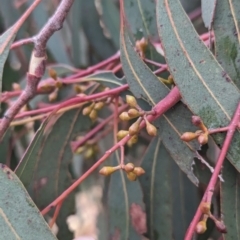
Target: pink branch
[211, 186]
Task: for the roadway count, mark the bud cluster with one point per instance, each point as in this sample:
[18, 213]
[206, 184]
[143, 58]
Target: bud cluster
[92, 110]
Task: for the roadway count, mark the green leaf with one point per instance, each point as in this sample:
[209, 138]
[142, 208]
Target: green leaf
[94, 33]
[166, 194]
[141, 17]
[110, 16]
[123, 197]
[227, 38]
[208, 11]
[230, 197]
[144, 84]
[200, 79]
[44, 169]
[19, 217]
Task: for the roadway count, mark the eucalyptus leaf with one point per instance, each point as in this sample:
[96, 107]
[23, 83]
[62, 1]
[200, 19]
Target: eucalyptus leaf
[227, 38]
[205, 88]
[19, 217]
[44, 169]
[124, 197]
[208, 11]
[230, 197]
[144, 84]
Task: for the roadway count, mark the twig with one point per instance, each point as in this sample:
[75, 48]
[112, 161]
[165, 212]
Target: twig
[211, 186]
[37, 63]
[55, 215]
[165, 104]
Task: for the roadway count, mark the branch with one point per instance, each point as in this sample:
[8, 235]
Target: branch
[37, 63]
[211, 186]
[165, 104]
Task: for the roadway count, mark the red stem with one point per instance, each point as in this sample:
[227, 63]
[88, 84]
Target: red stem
[211, 186]
[165, 104]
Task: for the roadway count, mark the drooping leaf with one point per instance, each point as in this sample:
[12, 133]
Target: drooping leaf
[144, 84]
[230, 198]
[166, 194]
[19, 217]
[94, 33]
[44, 169]
[208, 11]
[204, 87]
[110, 17]
[227, 38]
[125, 206]
[141, 17]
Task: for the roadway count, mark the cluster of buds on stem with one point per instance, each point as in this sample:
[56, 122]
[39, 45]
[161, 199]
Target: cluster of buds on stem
[141, 46]
[201, 135]
[92, 109]
[135, 112]
[131, 171]
[201, 227]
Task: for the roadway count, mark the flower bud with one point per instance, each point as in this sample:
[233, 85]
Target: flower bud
[53, 96]
[197, 121]
[108, 170]
[138, 171]
[93, 114]
[188, 136]
[87, 110]
[133, 113]
[88, 153]
[134, 128]
[80, 150]
[132, 176]
[99, 105]
[124, 116]
[16, 87]
[221, 226]
[52, 73]
[203, 138]
[131, 101]
[205, 207]
[77, 88]
[201, 227]
[129, 167]
[132, 140]
[151, 129]
[58, 84]
[170, 79]
[121, 134]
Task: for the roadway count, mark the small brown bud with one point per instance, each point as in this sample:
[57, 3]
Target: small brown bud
[93, 114]
[52, 73]
[138, 171]
[132, 176]
[124, 116]
[88, 153]
[133, 113]
[80, 150]
[108, 170]
[201, 227]
[87, 110]
[205, 207]
[132, 140]
[203, 138]
[221, 226]
[16, 87]
[131, 101]
[121, 134]
[99, 105]
[53, 96]
[170, 79]
[77, 88]
[46, 88]
[188, 136]
[151, 129]
[129, 167]
[197, 121]
[58, 84]
[134, 128]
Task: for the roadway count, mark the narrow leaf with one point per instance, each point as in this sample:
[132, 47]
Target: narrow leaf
[230, 199]
[204, 87]
[19, 217]
[144, 84]
[208, 11]
[44, 169]
[166, 194]
[123, 197]
[227, 38]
